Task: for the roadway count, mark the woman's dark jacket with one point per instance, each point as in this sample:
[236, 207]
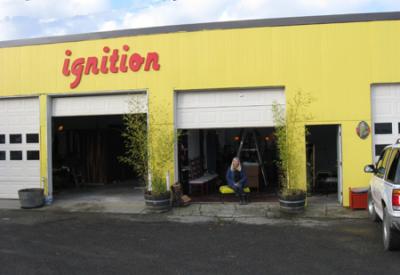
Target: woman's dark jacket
[230, 177]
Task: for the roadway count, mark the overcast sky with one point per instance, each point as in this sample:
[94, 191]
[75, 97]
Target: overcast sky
[35, 18]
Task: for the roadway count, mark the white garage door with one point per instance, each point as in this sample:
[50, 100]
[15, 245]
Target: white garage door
[19, 145]
[99, 105]
[385, 115]
[226, 109]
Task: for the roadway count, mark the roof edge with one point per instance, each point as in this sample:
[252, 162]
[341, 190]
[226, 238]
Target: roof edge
[254, 23]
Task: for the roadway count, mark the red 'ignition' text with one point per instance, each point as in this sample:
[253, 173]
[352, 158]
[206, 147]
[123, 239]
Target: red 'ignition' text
[113, 63]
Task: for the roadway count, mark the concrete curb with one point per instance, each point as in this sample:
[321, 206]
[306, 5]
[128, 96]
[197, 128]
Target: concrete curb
[255, 213]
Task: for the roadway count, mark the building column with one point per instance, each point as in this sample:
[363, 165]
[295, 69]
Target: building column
[45, 146]
[356, 153]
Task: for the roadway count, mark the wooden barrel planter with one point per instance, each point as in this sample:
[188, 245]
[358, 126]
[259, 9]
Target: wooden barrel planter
[31, 197]
[293, 201]
[158, 203]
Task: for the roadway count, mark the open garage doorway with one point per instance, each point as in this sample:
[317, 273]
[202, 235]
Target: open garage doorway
[86, 142]
[207, 153]
[324, 160]
[86, 151]
[213, 123]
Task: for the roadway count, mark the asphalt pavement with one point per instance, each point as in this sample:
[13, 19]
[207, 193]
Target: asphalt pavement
[40, 242]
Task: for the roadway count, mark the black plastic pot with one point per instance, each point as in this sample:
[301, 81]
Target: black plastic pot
[158, 203]
[292, 202]
[31, 197]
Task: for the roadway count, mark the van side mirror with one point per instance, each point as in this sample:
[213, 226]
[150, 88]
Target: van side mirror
[370, 168]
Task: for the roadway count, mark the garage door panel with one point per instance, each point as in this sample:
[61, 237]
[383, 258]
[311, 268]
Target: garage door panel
[227, 109]
[18, 165]
[15, 121]
[10, 182]
[385, 139]
[186, 117]
[207, 117]
[384, 108]
[19, 116]
[252, 115]
[229, 116]
[8, 196]
[186, 101]
[14, 181]
[12, 187]
[9, 192]
[207, 99]
[98, 105]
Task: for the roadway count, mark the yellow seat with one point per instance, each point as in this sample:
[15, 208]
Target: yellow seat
[225, 189]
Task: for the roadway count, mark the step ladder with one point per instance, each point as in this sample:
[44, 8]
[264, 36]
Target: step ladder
[250, 137]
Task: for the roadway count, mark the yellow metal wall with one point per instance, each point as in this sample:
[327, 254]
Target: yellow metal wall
[336, 63]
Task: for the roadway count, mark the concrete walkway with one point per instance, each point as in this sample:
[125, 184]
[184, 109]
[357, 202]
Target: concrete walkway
[319, 207]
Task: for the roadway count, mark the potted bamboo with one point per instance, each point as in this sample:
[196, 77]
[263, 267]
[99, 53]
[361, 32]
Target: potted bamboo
[150, 152]
[161, 142]
[289, 135]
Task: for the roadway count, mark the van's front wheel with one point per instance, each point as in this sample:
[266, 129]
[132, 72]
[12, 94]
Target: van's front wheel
[371, 207]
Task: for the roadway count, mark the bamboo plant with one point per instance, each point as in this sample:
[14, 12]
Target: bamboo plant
[148, 150]
[289, 129]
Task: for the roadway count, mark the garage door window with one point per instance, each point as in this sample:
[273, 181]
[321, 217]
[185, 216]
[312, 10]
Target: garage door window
[15, 138]
[32, 155]
[32, 138]
[15, 155]
[2, 139]
[2, 155]
[383, 128]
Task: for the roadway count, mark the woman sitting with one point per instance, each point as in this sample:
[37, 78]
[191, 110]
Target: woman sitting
[237, 179]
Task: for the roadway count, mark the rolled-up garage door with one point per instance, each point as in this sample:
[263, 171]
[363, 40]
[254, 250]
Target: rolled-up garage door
[227, 109]
[89, 105]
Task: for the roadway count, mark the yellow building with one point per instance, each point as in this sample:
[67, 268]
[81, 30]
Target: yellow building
[212, 80]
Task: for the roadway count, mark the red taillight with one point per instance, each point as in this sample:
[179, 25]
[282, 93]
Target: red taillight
[396, 199]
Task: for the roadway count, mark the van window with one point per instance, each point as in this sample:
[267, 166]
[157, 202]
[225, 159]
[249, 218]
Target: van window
[392, 166]
[382, 162]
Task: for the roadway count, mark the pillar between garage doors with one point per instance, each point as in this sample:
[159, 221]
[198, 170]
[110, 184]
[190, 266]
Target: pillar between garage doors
[45, 141]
